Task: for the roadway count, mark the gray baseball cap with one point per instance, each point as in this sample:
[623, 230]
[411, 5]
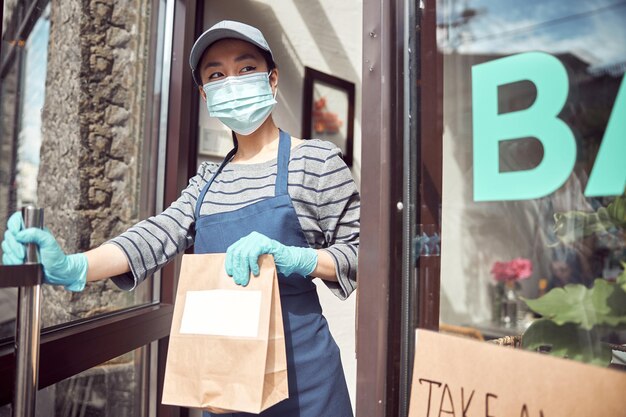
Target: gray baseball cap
[222, 30]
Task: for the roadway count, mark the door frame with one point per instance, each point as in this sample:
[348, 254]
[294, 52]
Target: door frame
[393, 298]
[381, 253]
[181, 153]
[380, 249]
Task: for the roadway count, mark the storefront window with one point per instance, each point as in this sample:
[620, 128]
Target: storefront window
[116, 388]
[533, 177]
[23, 181]
[32, 100]
[78, 137]
[23, 94]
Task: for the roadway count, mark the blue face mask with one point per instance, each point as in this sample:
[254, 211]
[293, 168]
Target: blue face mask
[242, 102]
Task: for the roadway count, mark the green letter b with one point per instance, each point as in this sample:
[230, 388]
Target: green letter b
[539, 121]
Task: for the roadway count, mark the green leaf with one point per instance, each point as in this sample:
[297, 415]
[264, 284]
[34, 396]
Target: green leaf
[604, 303]
[573, 303]
[572, 226]
[615, 300]
[617, 211]
[567, 341]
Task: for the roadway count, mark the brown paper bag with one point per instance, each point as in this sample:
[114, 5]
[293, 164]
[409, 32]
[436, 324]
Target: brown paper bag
[227, 345]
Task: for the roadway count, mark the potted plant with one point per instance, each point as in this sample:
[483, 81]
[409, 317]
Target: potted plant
[577, 320]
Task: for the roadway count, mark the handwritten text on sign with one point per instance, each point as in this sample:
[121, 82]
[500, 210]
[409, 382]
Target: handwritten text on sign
[484, 405]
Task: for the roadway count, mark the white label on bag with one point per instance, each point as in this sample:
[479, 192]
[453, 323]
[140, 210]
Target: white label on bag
[222, 313]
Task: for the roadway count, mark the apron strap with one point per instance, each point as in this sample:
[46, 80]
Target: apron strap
[282, 169]
[200, 199]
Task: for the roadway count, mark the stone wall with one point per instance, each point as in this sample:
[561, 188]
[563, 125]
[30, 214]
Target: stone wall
[93, 119]
[92, 129]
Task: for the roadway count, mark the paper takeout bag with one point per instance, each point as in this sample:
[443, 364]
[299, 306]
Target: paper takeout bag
[227, 345]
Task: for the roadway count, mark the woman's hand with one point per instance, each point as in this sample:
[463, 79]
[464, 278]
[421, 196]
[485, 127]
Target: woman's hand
[59, 268]
[242, 257]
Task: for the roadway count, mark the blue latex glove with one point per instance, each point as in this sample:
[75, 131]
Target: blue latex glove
[59, 268]
[242, 258]
[13, 252]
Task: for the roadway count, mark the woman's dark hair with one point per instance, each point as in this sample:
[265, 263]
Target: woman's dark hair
[268, 59]
[265, 54]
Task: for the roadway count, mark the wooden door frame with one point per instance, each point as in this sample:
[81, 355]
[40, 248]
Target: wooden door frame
[181, 151]
[380, 249]
[381, 359]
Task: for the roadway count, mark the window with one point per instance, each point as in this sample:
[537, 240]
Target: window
[98, 142]
[33, 92]
[22, 94]
[116, 388]
[100, 148]
[531, 199]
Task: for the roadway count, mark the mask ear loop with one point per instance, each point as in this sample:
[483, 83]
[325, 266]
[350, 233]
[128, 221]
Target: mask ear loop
[269, 75]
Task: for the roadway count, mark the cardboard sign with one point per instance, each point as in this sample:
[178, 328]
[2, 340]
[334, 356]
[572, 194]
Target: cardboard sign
[457, 377]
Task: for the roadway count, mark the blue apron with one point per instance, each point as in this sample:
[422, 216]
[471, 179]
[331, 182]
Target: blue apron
[317, 386]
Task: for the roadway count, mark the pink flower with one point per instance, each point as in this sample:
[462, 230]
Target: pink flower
[523, 268]
[514, 270]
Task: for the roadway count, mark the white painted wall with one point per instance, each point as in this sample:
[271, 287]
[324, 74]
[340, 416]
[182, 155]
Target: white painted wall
[324, 35]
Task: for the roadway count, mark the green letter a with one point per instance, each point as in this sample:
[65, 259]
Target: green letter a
[608, 176]
[539, 121]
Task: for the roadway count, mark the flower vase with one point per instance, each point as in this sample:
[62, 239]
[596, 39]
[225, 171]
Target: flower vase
[509, 306]
[496, 296]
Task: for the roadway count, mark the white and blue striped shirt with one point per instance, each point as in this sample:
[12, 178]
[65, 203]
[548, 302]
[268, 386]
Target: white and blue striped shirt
[321, 188]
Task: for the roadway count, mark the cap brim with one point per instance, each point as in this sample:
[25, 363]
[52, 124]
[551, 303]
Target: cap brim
[212, 36]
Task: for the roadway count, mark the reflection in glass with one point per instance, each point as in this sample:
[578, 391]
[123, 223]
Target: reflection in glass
[426, 242]
[83, 112]
[566, 236]
[114, 389]
[32, 101]
[18, 177]
[8, 311]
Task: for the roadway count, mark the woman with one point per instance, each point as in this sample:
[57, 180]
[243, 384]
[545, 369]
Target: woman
[272, 194]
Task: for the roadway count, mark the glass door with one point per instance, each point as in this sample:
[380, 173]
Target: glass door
[513, 223]
[532, 180]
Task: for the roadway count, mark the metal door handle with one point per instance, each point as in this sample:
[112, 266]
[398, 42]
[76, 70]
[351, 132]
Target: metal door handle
[28, 278]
